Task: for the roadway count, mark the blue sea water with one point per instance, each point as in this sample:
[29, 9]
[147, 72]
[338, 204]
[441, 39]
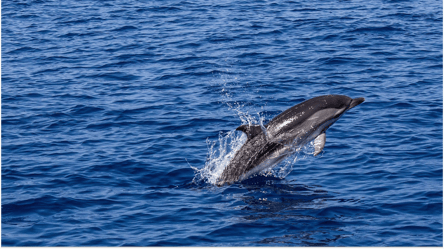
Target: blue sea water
[112, 111]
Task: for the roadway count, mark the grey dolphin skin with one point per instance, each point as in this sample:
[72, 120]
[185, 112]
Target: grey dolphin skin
[291, 129]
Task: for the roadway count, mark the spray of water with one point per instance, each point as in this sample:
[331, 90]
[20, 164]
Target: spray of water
[222, 150]
[219, 155]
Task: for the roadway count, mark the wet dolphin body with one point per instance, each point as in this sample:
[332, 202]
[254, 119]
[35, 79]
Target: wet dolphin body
[291, 129]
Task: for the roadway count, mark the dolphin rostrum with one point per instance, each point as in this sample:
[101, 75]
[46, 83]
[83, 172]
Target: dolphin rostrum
[268, 145]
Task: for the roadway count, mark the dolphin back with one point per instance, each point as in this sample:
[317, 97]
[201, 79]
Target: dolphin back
[297, 115]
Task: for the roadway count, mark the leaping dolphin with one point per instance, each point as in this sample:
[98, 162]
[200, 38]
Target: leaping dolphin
[267, 146]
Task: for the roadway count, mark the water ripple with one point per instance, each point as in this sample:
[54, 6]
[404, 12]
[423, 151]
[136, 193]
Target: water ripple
[106, 105]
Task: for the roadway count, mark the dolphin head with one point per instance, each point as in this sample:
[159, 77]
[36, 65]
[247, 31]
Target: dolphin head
[341, 104]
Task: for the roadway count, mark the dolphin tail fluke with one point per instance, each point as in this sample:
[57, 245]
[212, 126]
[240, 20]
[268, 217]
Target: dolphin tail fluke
[250, 130]
[319, 143]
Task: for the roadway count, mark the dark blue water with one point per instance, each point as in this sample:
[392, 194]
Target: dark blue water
[107, 106]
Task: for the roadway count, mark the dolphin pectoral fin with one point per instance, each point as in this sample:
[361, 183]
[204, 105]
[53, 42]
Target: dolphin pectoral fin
[250, 130]
[319, 143]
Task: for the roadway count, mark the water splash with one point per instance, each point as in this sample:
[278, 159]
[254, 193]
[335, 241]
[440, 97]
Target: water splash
[219, 155]
[222, 150]
[284, 168]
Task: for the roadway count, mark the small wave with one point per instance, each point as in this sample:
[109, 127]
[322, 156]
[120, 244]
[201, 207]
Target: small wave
[115, 76]
[24, 49]
[336, 60]
[162, 9]
[376, 29]
[82, 109]
[124, 28]
[75, 35]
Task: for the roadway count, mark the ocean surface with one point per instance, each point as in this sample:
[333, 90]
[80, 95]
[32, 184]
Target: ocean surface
[118, 115]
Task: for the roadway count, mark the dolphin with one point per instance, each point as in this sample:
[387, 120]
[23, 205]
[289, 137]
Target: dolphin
[268, 145]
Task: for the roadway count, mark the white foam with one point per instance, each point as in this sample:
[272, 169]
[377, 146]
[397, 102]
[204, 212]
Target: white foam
[222, 150]
[220, 153]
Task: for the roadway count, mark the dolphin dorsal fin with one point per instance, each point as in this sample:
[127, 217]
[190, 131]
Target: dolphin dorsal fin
[319, 143]
[250, 130]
